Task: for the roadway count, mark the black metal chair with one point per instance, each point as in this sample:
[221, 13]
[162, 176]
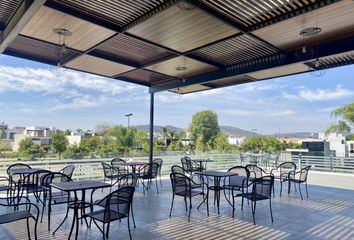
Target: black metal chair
[282, 173]
[108, 172]
[31, 183]
[261, 190]
[255, 172]
[126, 180]
[53, 196]
[160, 162]
[5, 186]
[182, 186]
[148, 172]
[19, 211]
[119, 166]
[237, 185]
[179, 169]
[68, 170]
[299, 178]
[190, 166]
[15, 178]
[117, 206]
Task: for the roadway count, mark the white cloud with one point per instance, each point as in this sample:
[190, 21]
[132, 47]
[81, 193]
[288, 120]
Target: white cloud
[319, 94]
[326, 110]
[258, 112]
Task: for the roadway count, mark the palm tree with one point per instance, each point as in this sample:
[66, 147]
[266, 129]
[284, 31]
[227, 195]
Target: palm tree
[344, 125]
[124, 137]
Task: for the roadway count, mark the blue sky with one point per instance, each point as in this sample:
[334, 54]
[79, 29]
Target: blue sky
[31, 95]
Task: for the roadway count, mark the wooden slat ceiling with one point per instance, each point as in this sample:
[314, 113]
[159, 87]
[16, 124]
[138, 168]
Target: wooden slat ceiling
[336, 22]
[252, 12]
[147, 76]
[279, 71]
[97, 65]
[190, 89]
[131, 49]
[235, 50]
[85, 34]
[119, 12]
[182, 30]
[219, 42]
[7, 9]
[193, 67]
[37, 50]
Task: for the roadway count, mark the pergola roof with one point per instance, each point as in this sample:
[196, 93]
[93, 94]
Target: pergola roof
[218, 42]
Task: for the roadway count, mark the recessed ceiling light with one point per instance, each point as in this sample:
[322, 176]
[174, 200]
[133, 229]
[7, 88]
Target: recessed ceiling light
[181, 68]
[311, 31]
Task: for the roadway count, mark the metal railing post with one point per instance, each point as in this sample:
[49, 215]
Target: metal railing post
[331, 162]
[299, 161]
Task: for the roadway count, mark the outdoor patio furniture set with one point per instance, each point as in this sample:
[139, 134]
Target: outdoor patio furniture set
[249, 182]
[50, 188]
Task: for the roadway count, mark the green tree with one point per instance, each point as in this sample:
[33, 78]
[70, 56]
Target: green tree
[90, 144]
[124, 137]
[25, 144]
[221, 143]
[67, 132]
[204, 128]
[261, 144]
[2, 131]
[59, 142]
[346, 123]
[103, 129]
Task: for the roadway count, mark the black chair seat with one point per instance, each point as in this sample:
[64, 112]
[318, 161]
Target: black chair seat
[295, 181]
[255, 197]
[192, 193]
[99, 215]
[15, 216]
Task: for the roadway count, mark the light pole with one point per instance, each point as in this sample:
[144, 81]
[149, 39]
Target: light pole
[128, 116]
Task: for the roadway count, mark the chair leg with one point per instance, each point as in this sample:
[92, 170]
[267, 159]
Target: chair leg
[133, 215]
[289, 187]
[157, 186]
[35, 228]
[300, 191]
[270, 207]
[173, 198]
[103, 232]
[253, 206]
[130, 235]
[281, 187]
[190, 208]
[107, 231]
[185, 203]
[233, 205]
[28, 230]
[307, 194]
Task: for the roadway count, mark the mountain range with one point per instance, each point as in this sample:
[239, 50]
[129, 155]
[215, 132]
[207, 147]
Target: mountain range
[234, 131]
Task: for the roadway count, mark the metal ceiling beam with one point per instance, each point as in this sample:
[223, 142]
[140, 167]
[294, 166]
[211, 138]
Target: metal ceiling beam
[277, 60]
[22, 16]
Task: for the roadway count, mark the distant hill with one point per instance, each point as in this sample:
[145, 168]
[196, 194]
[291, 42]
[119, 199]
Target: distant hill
[297, 135]
[234, 131]
[159, 128]
[225, 129]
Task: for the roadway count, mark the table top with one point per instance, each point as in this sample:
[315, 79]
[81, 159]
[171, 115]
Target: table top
[80, 185]
[24, 171]
[214, 173]
[203, 160]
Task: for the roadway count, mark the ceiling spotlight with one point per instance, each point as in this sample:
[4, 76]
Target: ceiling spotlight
[311, 31]
[181, 68]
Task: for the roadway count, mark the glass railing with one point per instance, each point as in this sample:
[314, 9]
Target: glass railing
[92, 168]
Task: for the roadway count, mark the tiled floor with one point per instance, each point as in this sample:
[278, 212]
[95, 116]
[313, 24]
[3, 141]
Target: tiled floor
[327, 214]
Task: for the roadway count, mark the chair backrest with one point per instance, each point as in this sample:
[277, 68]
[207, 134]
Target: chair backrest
[127, 180]
[149, 170]
[181, 184]
[187, 163]
[159, 161]
[263, 187]
[286, 167]
[303, 173]
[68, 170]
[255, 171]
[119, 164]
[118, 203]
[54, 177]
[16, 177]
[241, 179]
[177, 169]
[39, 176]
[107, 169]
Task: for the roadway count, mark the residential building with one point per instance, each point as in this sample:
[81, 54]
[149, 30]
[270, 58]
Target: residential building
[39, 135]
